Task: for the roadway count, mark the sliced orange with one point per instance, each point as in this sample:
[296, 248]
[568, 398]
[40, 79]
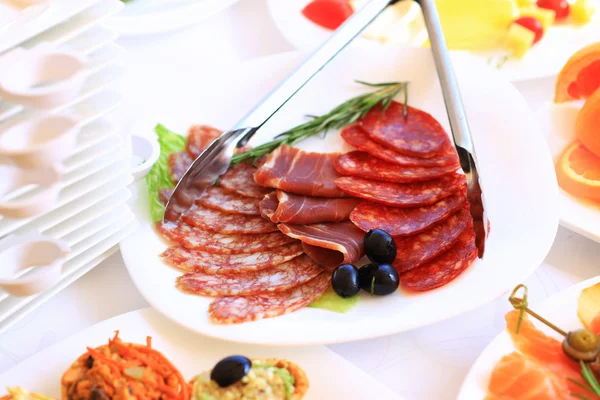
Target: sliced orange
[580, 77]
[587, 124]
[578, 172]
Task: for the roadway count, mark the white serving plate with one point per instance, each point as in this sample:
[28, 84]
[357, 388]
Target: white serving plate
[545, 59]
[561, 309]
[330, 376]
[518, 181]
[83, 25]
[160, 16]
[57, 12]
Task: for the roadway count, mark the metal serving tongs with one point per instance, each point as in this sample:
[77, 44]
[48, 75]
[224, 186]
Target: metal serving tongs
[215, 160]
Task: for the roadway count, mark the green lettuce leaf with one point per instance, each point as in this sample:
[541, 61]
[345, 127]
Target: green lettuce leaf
[331, 301]
[158, 177]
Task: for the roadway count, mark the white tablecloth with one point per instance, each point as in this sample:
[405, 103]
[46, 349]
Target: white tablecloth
[409, 363]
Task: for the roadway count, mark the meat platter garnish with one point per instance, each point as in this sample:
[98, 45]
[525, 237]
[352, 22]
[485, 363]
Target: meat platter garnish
[284, 228]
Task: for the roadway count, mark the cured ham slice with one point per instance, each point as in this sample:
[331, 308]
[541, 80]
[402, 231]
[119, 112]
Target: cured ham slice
[238, 309]
[276, 279]
[326, 258]
[403, 194]
[356, 137]
[404, 221]
[342, 237]
[294, 209]
[220, 199]
[364, 165]
[295, 171]
[227, 264]
[198, 239]
[221, 222]
[199, 138]
[268, 205]
[178, 165]
[240, 179]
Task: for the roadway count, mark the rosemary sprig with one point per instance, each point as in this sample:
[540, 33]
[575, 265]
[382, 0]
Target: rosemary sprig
[344, 114]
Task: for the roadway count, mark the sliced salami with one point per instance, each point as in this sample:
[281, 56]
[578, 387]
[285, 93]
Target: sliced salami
[356, 137]
[417, 134]
[413, 251]
[238, 309]
[199, 138]
[198, 239]
[221, 222]
[268, 205]
[178, 165]
[364, 165]
[228, 264]
[164, 195]
[217, 198]
[443, 269]
[402, 194]
[276, 279]
[240, 179]
[404, 221]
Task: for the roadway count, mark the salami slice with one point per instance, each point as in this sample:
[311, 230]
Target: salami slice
[217, 198]
[178, 165]
[240, 179]
[199, 138]
[364, 165]
[443, 269]
[417, 134]
[227, 264]
[404, 221]
[221, 222]
[356, 137]
[402, 194]
[238, 309]
[413, 251]
[268, 205]
[164, 195]
[276, 279]
[198, 239]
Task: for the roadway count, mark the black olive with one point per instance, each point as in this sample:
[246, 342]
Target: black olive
[380, 246]
[98, 394]
[344, 280]
[89, 362]
[378, 279]
[230, 370]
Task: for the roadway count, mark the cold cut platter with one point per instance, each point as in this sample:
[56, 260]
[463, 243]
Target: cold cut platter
[348, 224]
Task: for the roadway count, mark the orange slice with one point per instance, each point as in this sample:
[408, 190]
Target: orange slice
[580, 77]
[587, 123]
[578, 172]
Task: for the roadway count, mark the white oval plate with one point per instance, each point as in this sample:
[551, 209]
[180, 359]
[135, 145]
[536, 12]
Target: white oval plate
[192, 355]
[545, 59]
[561, 309]
[143, 17]
[518, 181]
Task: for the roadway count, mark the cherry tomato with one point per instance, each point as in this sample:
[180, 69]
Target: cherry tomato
[533, 24]
[561, 7]
[329, 14]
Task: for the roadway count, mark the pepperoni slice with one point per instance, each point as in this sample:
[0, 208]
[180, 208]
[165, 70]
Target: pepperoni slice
[227, 264]
[178, 165]
[238, 309]
[404, 221]
[443, 269]
[218, 243]
[276, 279]
[364, 165]
[217, 198]
[402, 194]
[356, 137]
[199, 138]
[413, 251]
[418, 134]
[240, 179]
[221, 222]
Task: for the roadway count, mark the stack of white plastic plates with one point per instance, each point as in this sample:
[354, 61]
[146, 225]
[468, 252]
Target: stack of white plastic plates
[90, 213]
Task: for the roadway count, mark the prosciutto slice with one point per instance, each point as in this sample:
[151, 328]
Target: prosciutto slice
[296, 171]
[294, 209]
[342, 237]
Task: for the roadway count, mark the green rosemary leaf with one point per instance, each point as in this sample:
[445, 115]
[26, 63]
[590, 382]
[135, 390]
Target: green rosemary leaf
[580, 396]
[581, 385]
